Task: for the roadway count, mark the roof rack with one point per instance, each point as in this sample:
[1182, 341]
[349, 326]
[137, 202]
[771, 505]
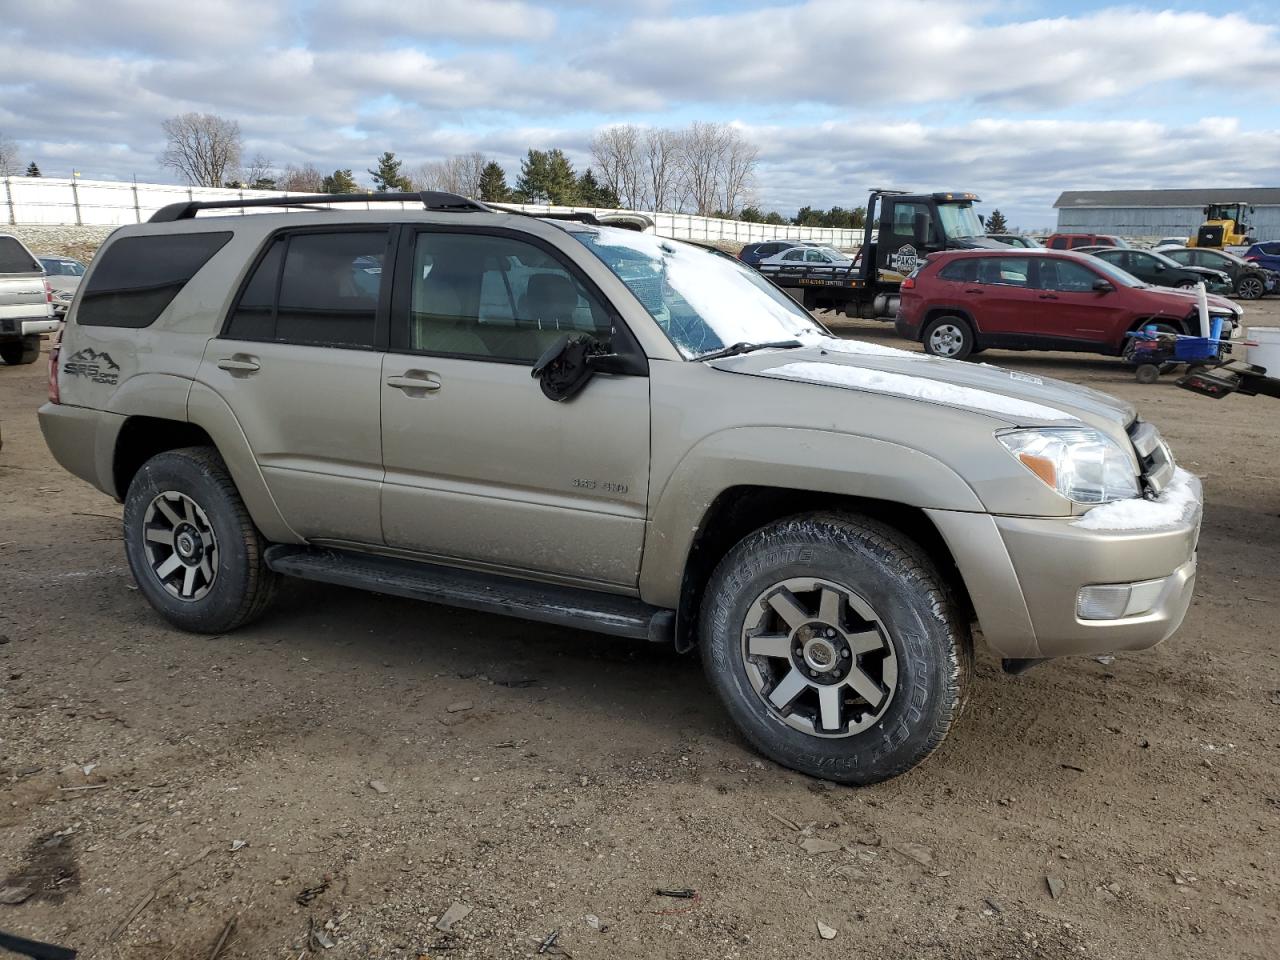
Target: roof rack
[430, 199]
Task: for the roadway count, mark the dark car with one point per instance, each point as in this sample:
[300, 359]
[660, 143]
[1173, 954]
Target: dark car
[964, 301]
[1016, 240]
[1249, 280]
[753, 253]
[1265, 254]
[1069, 241]
[1156, 268]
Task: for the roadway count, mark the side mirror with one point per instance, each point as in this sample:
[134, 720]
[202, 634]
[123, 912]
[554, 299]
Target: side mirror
[1102, 286]
[572, 360]
[1160, 266]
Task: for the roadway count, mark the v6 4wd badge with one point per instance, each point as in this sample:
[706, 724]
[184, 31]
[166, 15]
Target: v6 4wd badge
[98, 367]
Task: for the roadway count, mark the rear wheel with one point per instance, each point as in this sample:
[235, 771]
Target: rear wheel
[193, 549]
[949, 337]
[836, 647]
[1250, 287]
[26, 350]
[1187, 285]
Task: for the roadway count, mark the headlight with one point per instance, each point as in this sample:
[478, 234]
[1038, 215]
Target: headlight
[1082, 465]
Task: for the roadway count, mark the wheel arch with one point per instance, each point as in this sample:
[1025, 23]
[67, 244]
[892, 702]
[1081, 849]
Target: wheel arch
[937, 312]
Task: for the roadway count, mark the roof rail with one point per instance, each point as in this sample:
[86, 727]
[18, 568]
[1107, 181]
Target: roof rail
[430, 200]
[583, 217]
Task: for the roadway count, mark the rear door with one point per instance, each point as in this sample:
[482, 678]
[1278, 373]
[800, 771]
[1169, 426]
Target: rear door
[1003, 301]
[22, 292]
[299, 363]
[481, 467]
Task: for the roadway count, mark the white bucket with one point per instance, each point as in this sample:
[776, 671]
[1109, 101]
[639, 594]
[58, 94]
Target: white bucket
[1267, 352]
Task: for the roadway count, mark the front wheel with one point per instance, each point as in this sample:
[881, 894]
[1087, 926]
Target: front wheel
[949, 337]
[193, 549]
[1250, 288]
[836, 647]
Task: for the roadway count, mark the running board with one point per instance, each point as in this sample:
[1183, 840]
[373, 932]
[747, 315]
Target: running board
[548, 603]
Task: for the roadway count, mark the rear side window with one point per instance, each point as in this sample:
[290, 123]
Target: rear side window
[137, 277]
[320, 289]
[15, 259]
[1058, 243]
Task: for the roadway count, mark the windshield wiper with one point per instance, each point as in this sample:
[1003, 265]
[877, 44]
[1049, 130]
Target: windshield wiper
[743, 346]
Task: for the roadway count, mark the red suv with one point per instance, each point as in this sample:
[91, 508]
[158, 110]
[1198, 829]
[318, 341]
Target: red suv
[960, 302]
[1069, 241]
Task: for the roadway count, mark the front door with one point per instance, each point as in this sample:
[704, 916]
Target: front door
[482, 468]
[1080, 312]
[299, 368]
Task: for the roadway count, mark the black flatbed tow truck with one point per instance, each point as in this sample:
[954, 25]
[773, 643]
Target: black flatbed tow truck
[901, 230]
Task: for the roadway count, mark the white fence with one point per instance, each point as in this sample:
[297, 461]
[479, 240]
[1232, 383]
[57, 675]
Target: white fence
[50, 201]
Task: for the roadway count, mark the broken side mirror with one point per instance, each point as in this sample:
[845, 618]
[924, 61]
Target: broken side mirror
[573, 359]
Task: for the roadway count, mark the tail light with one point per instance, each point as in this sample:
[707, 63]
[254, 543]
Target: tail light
[909, 283]
[1252, 259]
[55, 395]
[48, 291]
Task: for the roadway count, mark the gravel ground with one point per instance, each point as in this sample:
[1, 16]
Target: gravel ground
[155, 786]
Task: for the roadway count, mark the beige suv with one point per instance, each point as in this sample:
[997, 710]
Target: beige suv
[608, 430]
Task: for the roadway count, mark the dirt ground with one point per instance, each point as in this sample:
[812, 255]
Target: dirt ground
[540, 775]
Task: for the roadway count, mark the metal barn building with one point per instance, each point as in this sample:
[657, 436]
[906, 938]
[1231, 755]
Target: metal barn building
[1162, 213]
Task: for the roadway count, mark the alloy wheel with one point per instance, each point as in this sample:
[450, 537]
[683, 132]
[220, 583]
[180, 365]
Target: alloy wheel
[181, 547]
[1250, 288]
[819, 657]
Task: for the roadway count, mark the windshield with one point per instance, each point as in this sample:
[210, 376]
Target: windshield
[959, 220]
[62, 268]
[702, 300]
[1122, 277]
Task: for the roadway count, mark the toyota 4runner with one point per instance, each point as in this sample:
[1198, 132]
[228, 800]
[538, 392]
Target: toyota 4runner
[605, 429]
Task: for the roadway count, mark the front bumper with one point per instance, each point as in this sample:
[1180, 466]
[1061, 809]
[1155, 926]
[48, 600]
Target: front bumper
[1024, 575]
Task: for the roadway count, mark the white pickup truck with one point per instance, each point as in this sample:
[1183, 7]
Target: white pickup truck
[26, 303]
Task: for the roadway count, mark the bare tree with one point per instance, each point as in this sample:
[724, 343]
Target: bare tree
[705, 145]
[8, 156]
[203, 148]
[737, 171]
[258, 172]
[661, 168]
[301, 179]
[616, 152]
[458, 174]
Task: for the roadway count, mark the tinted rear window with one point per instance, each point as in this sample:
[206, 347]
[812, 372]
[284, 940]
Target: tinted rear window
[137, 277]
[15, 259]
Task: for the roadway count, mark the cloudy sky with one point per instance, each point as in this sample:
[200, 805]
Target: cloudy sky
[1016, 100]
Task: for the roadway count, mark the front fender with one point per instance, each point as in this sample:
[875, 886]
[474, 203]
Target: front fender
[785, 458]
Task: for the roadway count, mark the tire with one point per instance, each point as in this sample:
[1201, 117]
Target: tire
[899, 633]
[15, 352]
[1187, 285]
[949, 337]
[1147, 373]
[1250, 287]
[221, 583]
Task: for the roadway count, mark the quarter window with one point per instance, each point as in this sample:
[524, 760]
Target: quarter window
[493, 298]
[14, 257]
[137, 277]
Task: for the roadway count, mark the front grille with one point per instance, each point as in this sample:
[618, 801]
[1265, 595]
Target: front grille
[1154, 457]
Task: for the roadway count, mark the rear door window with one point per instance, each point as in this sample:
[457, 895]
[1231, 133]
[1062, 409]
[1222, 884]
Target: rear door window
[1003, 271]
[319, 289]
[137, 277]
[15, 259]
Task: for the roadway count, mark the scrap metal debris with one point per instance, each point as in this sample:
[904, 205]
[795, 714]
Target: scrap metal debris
[227, 930]
[456, 913]
[310, 893]
[682, 893]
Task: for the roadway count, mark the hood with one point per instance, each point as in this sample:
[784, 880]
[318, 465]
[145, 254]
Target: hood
[975, 243]
[1217, 304]
[1017, 398]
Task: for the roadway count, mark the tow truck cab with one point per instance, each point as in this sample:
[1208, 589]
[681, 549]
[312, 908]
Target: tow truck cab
[913, 225]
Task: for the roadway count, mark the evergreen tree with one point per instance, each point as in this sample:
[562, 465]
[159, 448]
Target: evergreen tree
[996, 222]
[546, 176]
[593, 193]
[33, 170]
[387, 177]
[341, 181]
[493, 183]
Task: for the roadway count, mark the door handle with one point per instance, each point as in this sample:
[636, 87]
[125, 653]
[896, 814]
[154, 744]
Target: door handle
[973, 290]
[239, 364]
[1048, 296]
[414, 386]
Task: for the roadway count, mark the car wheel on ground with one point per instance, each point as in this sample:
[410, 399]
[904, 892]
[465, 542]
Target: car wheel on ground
[1250, 288]
[836, 647]
[20, 351]
[194, 552]
[950, 337]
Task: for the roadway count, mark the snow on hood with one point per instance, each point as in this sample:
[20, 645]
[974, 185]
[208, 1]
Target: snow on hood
[918, 388]
[874, 368]
[1174, 505]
